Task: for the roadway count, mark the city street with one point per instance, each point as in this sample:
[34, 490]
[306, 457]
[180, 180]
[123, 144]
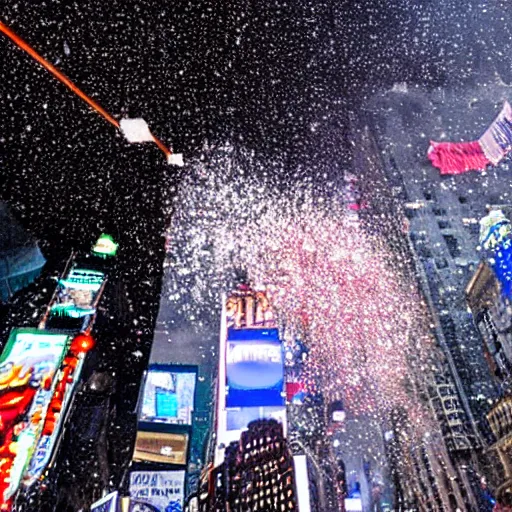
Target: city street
[282, 110]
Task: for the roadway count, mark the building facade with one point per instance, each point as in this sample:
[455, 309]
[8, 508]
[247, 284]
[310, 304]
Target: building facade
[492, 313]
[434, 229]
[257, 474]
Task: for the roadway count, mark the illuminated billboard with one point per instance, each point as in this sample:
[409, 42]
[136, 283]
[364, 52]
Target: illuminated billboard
[29, 367]
[163, 491]
[105, 246]
[76, 298]
[254, 368]
[168, 395]
[248, 308]
[68, 377]
[161, 447]
[238, 418]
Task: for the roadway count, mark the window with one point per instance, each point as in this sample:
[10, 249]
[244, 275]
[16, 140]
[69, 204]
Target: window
[453, 245]
[450, 404]
[463, 200]
[424, 252]
[418, 236]
[444, 224]
[439, 212]
[441, 262]
[429, 195]
[410, 213]
[474, 229]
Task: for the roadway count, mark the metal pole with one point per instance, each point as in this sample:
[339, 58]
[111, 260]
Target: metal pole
[68, 83]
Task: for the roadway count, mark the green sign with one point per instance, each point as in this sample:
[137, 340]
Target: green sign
[105, 246]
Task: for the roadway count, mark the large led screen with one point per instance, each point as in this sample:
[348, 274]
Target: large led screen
[254, 368]
[168, 396]
[28, 365]
[237, 419]
[33, 351]
[162, 490]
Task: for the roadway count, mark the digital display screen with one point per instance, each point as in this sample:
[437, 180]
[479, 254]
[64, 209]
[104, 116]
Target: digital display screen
[168, 397]
[36, 352]
[166, 448]
[28, 366]
[77, 294]
[239, 418]
[254, 368]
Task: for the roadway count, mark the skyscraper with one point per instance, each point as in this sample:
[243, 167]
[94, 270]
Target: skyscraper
[257, 474]
[439, 216]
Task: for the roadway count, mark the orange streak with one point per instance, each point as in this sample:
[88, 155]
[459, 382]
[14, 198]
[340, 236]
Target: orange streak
[162, 146]
[66, 81]
[55, 72]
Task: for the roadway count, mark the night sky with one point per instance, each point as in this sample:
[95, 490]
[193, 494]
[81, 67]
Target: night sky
[262, 73]
[279, 78]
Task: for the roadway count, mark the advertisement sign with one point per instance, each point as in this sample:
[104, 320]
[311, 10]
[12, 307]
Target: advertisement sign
[168, 396]
[54, 420]
[77, 294]
[28, 367]
[166, 448]
[105, 246]
[106, 504]
[163, 491]
[254, 368]
[248, 308]
[83, 279]
[33, 350]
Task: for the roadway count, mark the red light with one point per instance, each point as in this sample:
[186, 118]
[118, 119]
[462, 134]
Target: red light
[82, 343]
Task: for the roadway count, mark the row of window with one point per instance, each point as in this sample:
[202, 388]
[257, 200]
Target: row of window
[421, 243]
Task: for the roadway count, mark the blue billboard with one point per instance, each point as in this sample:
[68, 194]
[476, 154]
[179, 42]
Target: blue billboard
[254, 368]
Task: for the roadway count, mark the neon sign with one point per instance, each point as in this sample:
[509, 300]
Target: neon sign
[247, 308]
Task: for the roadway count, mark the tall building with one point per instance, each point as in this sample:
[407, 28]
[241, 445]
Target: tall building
[443, 214]
[257, 474]
[432, 223]
[492, 313]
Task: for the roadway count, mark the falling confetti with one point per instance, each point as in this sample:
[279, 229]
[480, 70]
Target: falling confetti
[326, 277]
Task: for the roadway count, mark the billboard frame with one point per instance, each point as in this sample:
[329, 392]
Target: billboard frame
[169, 368]
[165, 428]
